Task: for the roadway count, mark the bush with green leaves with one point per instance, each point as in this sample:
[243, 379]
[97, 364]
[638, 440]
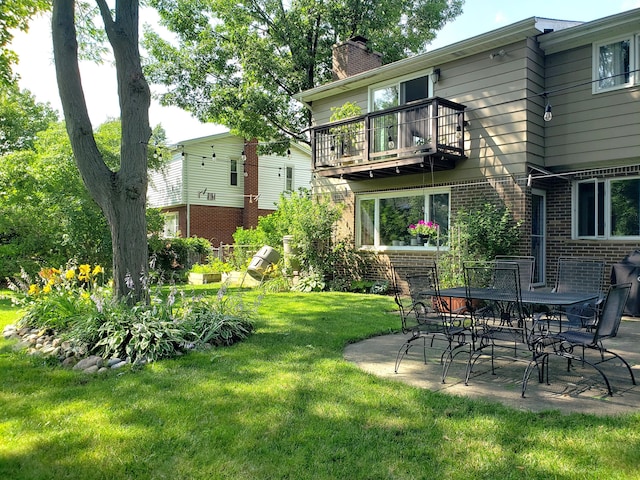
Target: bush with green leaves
[310, 220]
[172, 257]
[74, 305]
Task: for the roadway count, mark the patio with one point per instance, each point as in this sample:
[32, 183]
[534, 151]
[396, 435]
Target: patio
[579, 391]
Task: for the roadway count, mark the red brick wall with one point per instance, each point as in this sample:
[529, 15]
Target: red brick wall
[216, 224]
[350, 58]
[250, 212]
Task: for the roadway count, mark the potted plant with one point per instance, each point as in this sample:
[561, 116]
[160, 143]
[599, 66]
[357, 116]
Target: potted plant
[201, 274]
[345, 135]
[423, 232]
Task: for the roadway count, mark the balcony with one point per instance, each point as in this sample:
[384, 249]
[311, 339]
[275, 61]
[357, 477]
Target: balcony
[399, 140]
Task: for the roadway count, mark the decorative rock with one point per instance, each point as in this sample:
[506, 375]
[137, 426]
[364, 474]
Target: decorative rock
[113, 361]
[91, 369]
[103, 370]
[69, 362]
[118, 365]
[90, 361]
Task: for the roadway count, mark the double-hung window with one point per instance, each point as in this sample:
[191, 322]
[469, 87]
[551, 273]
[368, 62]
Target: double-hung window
[614, 62]
[383, 219]
[607, 208]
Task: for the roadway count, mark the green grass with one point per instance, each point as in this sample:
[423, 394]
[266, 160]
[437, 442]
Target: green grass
[285, 405]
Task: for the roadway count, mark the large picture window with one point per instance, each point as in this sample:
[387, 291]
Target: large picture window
[383, 219]
[607, 208]
[614, 63]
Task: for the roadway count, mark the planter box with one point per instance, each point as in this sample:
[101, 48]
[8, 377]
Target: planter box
[203, 278]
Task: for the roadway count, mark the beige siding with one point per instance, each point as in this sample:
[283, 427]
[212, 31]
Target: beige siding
[322, 108]
[588, 128]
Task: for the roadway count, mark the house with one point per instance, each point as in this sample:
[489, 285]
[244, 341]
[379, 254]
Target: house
[214, 184]
[542, 116]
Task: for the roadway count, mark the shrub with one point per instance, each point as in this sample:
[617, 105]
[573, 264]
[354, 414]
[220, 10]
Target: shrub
[74, 304]
[172, 257]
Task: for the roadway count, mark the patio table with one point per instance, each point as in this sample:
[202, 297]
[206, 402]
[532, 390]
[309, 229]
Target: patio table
[530, 297]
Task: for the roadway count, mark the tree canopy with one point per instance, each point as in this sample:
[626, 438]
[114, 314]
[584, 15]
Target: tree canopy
[14, 15]
[21, 118]
[239, 63]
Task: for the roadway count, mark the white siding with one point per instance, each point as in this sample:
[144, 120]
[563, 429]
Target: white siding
[165, 186]
[272, 175]
[209, 184]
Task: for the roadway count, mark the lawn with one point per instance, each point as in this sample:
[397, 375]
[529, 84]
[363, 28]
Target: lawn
[284, 404]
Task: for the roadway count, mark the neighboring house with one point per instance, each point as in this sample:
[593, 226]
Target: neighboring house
[463, 123]
[214, 184]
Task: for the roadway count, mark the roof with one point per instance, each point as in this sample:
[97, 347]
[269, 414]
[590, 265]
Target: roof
[494, 39]
[607, 27]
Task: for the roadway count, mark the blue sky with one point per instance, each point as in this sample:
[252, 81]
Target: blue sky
[479, 16]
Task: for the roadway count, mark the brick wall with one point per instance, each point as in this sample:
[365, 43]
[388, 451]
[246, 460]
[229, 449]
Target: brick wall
[250, 211]
[216, 224]
[559, 241]
[353, 57]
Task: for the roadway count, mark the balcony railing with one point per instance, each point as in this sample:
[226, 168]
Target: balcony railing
[392, 141]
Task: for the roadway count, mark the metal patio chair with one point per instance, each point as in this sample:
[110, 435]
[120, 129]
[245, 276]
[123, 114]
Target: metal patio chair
[500, 321]
[427, 317]
[580, 275]
[525, 267]
[608, 321]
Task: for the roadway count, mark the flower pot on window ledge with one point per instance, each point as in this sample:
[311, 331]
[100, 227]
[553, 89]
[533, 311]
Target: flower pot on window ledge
[415, 241]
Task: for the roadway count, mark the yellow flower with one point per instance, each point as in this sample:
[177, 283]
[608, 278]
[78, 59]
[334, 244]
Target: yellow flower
[97, 270]
[47, 288]
[85, 295]
[34, 289]
[83, 272]
[70, 274]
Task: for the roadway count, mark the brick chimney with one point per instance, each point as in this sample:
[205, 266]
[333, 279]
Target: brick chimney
[353, 57]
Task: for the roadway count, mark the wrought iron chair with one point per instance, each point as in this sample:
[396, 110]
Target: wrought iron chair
[525, 267]
[427, 317]
[579, 275]
[608, 322]
[501, 322]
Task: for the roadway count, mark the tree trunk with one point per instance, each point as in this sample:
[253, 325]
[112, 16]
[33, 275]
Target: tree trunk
[121, 195]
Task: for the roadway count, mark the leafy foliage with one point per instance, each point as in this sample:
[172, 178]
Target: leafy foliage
[479, 234]
[173, 257]
[46, 214]
[72, 302]
[14, 14]
[238, 63]
[21, 118]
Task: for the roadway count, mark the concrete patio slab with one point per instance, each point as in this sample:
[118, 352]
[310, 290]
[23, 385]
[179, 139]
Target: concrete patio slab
[580, 390]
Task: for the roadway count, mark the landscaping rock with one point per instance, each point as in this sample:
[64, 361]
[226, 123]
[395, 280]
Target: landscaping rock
[113, 361]
[90, 361]
[91, 369]
[118, 365]
[69, 361]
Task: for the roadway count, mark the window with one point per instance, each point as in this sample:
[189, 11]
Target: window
[399, 92]
[288, 179]
[171, 225]
[607, 208]
[383, 219]
[614, 63]
[233, 180]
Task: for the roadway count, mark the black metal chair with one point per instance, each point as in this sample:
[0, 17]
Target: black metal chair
[525, 267]
[426, 317]
[566, 343]
[580, 275]
[499, 321]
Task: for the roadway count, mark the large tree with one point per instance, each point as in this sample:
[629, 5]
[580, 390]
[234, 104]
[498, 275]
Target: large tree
[238, 63]
[121, 193]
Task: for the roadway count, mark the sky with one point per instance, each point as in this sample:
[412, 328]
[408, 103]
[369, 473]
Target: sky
[99, 81]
